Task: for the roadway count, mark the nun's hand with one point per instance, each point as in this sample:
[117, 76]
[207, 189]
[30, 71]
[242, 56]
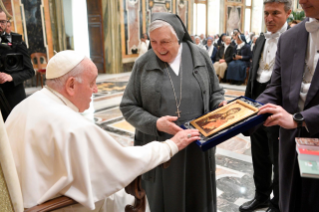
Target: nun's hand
[223, 103]
[166, 124]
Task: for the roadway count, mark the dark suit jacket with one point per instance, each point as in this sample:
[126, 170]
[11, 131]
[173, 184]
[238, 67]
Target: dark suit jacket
[228, 56]
[296, 193]
[14, 91]
[213, 56]
[257, 51]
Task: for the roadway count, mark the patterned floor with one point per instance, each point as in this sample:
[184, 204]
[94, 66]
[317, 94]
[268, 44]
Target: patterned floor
[233, 157]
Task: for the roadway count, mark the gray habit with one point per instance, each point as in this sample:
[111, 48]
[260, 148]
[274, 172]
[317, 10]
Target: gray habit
[188, 184]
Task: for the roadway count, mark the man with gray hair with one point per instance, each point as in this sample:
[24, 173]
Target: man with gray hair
[264, 142]
[292, 97]
[171, 84]
[58, 152]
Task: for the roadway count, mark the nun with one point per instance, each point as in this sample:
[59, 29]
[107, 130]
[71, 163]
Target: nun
[236, 71]
[174, 82]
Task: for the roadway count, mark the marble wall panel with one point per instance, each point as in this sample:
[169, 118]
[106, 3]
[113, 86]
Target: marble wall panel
[33, 21]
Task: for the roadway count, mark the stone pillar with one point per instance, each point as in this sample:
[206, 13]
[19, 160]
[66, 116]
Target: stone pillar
[222, 17]
[257, 24]
[112, 36]
[213, 17]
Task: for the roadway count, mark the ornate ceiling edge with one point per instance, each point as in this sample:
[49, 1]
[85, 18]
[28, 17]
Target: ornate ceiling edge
[5, 10]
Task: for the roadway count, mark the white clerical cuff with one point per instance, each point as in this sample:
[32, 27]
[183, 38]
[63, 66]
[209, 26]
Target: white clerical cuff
[173, 147]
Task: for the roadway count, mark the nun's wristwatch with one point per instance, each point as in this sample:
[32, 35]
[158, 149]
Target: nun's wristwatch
[299, 119]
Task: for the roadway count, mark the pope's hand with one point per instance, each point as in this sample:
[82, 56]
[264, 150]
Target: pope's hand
[166, 124]
[183, 138]
[279, 117]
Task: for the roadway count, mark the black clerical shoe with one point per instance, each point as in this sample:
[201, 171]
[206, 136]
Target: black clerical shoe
[253, 205]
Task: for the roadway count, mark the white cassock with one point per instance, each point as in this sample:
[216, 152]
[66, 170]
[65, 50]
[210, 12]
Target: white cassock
[59, 152]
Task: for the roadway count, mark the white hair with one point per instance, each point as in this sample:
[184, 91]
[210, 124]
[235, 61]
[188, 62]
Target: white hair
[76, 73]
[159, 24]
[227, 37]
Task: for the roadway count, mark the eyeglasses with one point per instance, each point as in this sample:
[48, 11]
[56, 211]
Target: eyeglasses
[3, 22]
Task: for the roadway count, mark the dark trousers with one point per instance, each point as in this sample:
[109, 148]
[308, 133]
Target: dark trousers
[264, 149]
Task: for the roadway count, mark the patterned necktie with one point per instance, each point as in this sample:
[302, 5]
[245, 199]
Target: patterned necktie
[312, 26]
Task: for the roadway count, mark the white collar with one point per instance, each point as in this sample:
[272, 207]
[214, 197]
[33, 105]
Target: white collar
[241, 45]
[175, 65]
[62, 98]
[282, 29]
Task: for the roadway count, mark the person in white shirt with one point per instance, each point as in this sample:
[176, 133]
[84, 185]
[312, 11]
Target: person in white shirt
[223, 57]
[211, 49]
[292, 99]
[264, 141]
[59, 152]
[199, 43]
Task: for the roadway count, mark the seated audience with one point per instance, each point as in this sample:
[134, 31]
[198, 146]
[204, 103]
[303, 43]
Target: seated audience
[221, 40]
[211, 49]
[203, 39]
[241, 60]
[223, 57]
[198, 43]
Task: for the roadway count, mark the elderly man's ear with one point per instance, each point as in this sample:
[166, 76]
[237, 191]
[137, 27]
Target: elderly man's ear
[70, 86]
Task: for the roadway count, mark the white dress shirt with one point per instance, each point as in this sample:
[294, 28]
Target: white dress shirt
[210, 50]
[176, 64]
[269, 54]
[311, 62]
[226, 46]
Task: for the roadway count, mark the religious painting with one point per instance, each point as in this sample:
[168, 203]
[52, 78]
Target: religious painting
[234, 18]
[223, 117]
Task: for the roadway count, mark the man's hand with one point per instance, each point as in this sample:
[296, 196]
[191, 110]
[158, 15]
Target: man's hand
[223, 103]
[166, 124]
[183, 138]
[237, 57]
[279, 117]
[221, 61]
[5, 78]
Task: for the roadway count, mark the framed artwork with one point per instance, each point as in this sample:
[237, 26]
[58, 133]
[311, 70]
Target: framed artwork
[223, 117]
[234, 17]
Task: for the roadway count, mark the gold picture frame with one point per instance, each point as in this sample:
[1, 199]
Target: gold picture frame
[223, 117]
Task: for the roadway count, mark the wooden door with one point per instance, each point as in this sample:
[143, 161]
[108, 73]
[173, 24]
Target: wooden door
[96, 34]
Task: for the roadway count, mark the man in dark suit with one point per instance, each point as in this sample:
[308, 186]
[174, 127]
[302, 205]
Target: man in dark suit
[264, 141]
[293, 101]
[11, 83]
[223, 57]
